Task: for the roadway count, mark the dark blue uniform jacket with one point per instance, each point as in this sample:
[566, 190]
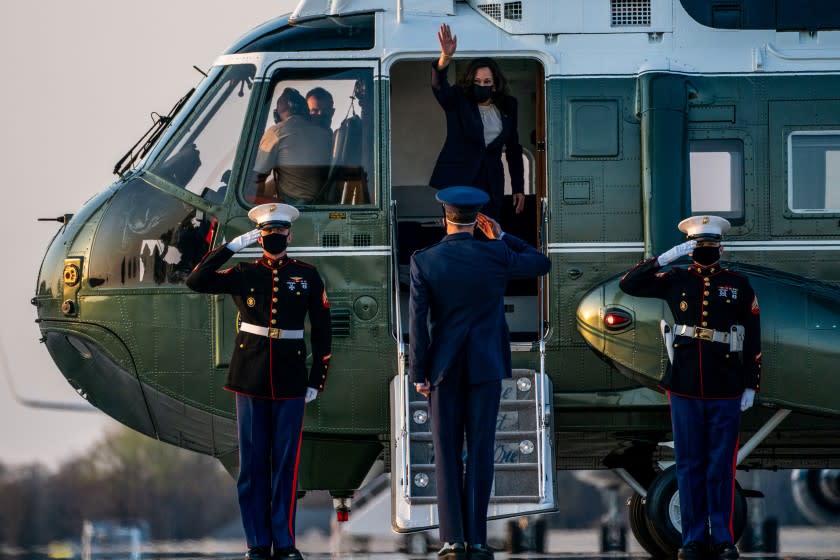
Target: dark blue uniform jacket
[459, 285]
[708, 297]
[464, 160]
[271, 293]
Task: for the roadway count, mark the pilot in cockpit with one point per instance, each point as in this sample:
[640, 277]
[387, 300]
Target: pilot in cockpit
[296, 152]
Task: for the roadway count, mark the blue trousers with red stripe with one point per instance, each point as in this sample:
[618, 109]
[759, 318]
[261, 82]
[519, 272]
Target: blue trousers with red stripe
[706, 445]
[269, 451]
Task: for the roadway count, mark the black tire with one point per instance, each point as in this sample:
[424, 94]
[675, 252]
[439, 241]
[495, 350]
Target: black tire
[662, 509]
[639, 526]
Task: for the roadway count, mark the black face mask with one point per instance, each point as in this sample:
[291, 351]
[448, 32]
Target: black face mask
[482, 93]
[706, 255]
[275, 243]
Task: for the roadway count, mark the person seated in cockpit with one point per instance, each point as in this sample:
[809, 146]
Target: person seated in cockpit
[321, 106]
[296, 151]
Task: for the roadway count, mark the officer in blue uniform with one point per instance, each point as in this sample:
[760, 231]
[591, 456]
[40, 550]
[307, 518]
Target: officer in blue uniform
[458, 286]
[268, 370]
[714, 373]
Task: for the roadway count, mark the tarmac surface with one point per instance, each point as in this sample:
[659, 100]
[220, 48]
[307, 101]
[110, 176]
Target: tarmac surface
[795, 543]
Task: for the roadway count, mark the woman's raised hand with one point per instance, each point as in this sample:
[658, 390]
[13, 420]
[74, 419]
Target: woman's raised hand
[448, 45]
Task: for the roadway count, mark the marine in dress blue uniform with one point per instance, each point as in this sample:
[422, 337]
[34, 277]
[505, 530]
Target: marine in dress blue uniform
[268, 370]
[458, 286]
[713, 376]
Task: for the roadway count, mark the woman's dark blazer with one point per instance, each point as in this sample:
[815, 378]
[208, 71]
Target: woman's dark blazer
[464, 159]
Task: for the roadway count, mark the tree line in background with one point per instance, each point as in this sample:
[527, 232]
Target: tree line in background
[180, 494]
[126, 477]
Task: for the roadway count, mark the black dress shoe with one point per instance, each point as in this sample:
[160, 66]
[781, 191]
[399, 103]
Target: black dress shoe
[692, 551]
[288, 553]
[258, 553]
[452, 551]
[480, 552]
[725, 551]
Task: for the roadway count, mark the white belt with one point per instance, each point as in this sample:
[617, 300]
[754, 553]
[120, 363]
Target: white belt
[701, 333]
[271, 332]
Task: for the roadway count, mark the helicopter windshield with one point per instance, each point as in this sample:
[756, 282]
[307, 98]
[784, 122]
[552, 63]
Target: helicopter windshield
[199, 155]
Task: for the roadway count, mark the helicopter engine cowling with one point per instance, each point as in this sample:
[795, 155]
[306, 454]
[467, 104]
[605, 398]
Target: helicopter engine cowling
[817, 494]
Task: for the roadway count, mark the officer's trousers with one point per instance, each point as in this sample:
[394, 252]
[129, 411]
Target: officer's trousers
[269, 451]
[456, 408]
[706, 446]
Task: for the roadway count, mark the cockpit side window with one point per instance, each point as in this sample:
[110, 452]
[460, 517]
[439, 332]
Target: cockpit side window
[200, 155]
[315, 146]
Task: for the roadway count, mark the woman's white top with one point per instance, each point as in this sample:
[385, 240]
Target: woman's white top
[491, 118]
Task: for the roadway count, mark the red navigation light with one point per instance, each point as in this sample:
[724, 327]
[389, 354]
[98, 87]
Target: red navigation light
[616, 319]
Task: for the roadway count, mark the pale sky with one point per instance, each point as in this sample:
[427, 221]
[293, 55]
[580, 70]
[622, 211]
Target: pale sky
[82, 77]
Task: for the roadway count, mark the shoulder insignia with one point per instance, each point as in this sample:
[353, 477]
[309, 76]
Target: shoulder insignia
[754, 307]
[324, 299]
[301, 263]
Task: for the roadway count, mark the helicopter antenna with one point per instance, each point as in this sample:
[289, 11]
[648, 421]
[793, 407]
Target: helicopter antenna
[200, 71]
[47, 405]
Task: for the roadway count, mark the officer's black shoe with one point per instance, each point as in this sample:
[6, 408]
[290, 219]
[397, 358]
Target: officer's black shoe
[480, 552]
[452, 551]
[258, 553]
[288, 553]
[725, 551]
[692, 551]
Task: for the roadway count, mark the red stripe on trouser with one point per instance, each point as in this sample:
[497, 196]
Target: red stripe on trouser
[293, 503]
[732, 505]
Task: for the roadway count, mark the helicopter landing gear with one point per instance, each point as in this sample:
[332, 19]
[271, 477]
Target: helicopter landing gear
[662, 515]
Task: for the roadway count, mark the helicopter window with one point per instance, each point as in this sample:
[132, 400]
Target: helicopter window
[814, 171]
[147, 238]
[200, 155]
[316, 143]
[717, 177]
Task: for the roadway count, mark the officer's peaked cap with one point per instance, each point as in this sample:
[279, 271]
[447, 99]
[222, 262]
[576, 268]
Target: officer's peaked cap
[709, 228]
[273, 215]
[463, 198]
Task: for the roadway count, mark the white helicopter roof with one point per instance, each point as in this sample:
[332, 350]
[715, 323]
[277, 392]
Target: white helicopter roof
[315, 8]
[518, 17]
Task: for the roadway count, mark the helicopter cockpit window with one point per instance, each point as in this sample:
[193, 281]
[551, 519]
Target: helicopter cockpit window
[148, 237]
[814, 172]
[200, 154]
[316, 143]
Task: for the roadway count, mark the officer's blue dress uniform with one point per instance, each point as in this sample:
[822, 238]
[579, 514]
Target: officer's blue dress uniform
[459, 284]
[268, 374]
[705, 382]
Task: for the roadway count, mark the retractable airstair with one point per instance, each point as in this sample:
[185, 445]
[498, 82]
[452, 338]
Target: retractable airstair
[524, 477]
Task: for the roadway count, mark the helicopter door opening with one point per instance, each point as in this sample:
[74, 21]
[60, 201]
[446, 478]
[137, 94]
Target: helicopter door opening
[523, 481]
[418, 130]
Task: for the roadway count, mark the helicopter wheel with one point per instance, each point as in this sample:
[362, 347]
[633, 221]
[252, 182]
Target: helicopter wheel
[639, 526]
[663, 512]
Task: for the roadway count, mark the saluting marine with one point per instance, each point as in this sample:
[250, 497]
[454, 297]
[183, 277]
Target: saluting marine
[713, 373]
[268, 370]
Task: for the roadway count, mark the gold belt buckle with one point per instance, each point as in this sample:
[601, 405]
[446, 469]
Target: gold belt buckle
[274, 332]
[703, 334]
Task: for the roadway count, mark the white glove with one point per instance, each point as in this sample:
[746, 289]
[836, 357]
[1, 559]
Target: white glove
[239, 243]
[676, 252]
[747, 399]
[310, 394]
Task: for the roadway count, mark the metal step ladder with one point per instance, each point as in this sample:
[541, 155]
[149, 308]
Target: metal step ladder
[524, 465]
